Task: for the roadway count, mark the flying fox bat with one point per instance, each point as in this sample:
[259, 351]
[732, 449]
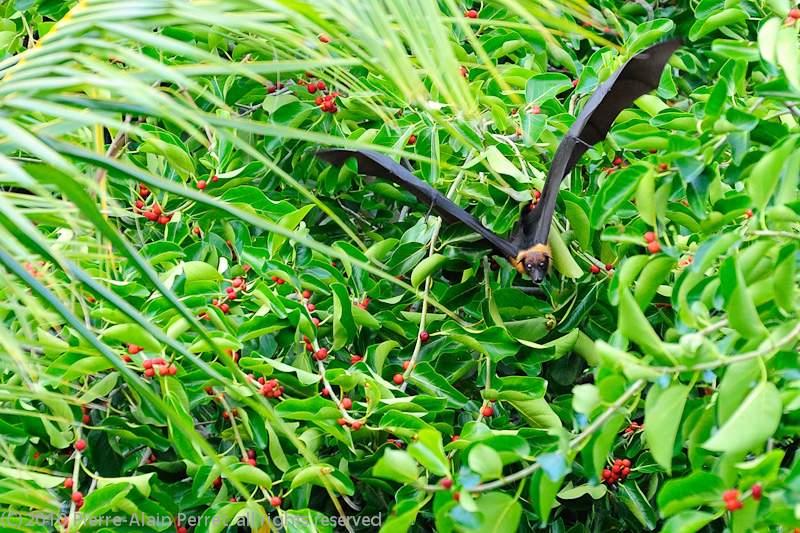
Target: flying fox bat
[527, 247]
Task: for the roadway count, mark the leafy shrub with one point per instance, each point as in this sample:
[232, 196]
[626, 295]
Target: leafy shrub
[188, 290]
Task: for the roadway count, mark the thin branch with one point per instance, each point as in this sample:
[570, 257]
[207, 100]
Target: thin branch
[733, 359]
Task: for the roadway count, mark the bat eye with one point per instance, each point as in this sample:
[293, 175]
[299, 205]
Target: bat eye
[529, 266]
[542, 264]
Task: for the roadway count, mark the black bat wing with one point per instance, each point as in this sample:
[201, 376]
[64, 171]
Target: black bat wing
[381, 166]
[638, 76]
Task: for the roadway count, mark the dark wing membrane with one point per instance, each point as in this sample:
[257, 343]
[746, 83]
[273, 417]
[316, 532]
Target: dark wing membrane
[381, 166]
[638, 76]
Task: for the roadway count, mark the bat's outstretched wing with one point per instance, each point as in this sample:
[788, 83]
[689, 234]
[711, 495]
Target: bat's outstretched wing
[381, 166]
[638, 76]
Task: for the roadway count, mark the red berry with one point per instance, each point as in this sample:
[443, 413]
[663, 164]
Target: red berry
[609, 266]
[650, 236]
[341, 421]
[182, 530]
[663, 166]
[411, 140]
[312, 88]
[306, 294]
[653, 247]
[625, 471]
[321, 85]
[80, 445]
[574, 83]
[224, 308]
[424, 336]
[471, 14]
[215, 178]
[456, 496]
[322, 353]
[163, 370]
[347, 403]
[275, 501]
[196, 230]
[734, 505]
[324, 38]
[748, 213]
[757, 491]
[535, 110]
[252, 462]
[626, 462]
[463, 71]
[794, 13]
[77, 496]
[315, 321]
[594, 269]
[163, 220]
[487, 411]
[607, 30]
[730, 495]
[173, 370]
[237, 282]
[398, 379]
[309, 347]
[139, 204]
[201, 184]
[446, 483]
[606, 473]
[356, 425]
[150, 372]
[311, 307]
[617, 161]
[325, 392]
[133, 349]
[68, 483]
[537, 194]
[406, 364]
[85, 421]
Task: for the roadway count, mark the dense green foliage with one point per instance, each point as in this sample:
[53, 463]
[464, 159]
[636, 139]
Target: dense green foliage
[185, 287]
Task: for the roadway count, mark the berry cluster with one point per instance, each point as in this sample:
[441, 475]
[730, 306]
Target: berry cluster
[151, 365]
[85, 412]
[153, 213]
[652, 244]
[536, 195]
[618, 473]
[635, 426]
[731, 498]
[32, 269]
[617, 162]
[686, 262]
[251, 458]
[270, 389]
[151, 459]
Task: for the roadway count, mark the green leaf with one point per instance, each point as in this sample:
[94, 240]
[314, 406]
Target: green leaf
[428, 450]
[636, 502]
[760, 413]
[312, 408]
[485, 461]
[425, 268]
[617, 188]
[542, 87]
[396, 465]
[695, 490]
[133, 334]
[662, 417]
[425, 378]
[724, 18]
[344, 329]
[687, 522]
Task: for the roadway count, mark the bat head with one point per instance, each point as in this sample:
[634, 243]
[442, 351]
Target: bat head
[535, 262]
